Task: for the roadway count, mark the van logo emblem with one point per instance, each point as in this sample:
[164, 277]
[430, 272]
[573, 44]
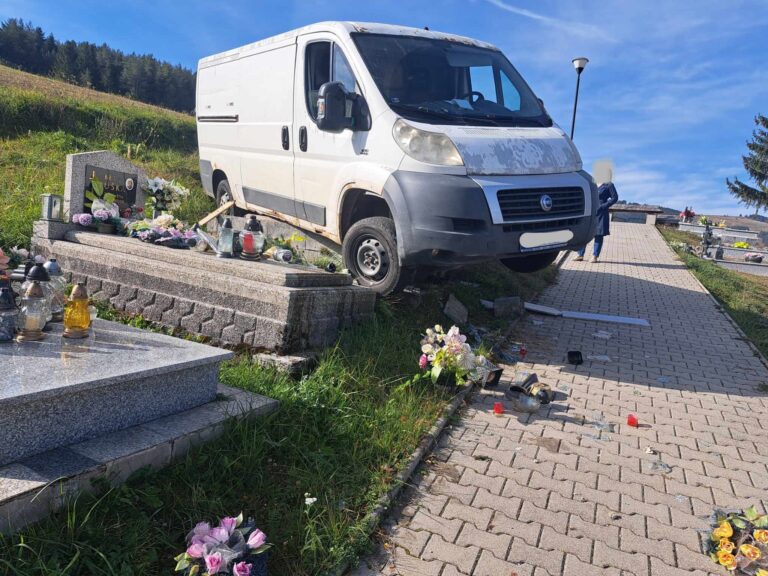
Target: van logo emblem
[545, 201]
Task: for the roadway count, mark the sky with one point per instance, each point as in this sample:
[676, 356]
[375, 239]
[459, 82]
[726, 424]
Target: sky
[669, 95]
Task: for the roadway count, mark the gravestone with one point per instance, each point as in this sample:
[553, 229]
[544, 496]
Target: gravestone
[120, 177]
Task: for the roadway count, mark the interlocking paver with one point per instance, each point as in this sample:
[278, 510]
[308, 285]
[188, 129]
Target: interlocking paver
[503, 504]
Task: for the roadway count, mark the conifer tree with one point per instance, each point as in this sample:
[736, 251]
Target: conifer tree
[756, 165]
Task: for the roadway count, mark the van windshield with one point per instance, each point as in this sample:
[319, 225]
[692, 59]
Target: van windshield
[444, 82]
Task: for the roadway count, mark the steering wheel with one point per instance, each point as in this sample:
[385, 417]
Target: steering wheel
[471, 93]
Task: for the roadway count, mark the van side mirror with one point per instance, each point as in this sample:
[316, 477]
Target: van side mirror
[338, 109]
[332, 107]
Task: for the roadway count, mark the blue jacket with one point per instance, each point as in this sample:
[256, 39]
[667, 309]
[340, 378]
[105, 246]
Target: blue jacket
[607, 197]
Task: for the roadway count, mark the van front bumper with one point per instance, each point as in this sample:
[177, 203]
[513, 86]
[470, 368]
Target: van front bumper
[445, 220]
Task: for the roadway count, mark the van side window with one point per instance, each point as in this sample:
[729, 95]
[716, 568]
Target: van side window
[510, 94]
[325, 62]
[318, 71]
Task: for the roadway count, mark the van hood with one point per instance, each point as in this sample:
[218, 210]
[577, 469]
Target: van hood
[519, 151]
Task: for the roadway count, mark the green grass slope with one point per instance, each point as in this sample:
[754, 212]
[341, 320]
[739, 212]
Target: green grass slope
[42, 120]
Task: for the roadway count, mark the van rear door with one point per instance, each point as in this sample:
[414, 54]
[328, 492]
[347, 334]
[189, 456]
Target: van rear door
[266, 123]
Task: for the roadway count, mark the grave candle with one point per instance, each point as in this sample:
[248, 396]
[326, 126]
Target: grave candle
[33, 313]
[77, 316]
[8, 314]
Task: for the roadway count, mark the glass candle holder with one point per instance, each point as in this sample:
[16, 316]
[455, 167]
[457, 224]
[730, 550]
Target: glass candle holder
[8, 315]
[33, 313]
[58, 286]
[77, 316]
[225, 245]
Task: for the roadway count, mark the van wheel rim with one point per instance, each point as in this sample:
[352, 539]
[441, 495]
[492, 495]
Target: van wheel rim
[372, 259]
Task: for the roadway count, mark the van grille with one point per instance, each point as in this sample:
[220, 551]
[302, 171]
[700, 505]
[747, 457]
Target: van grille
[545, 225]
[525, 203]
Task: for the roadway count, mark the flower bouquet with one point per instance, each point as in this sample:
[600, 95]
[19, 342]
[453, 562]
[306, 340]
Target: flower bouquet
[449, 359]
[165, 195]
[165, 230]
[103, 220]
[739, 542]
[232, 547]
[753, 257]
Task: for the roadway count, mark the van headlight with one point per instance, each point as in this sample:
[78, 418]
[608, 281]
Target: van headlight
[429, 147]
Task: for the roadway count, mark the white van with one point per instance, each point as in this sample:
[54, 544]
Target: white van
[409, 148]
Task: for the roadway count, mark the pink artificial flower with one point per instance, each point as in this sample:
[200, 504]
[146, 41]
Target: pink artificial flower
[242, 569]
[257, 539]
[218, 535]
[229, 524]
[196, 550]
[423, 361]
[213, 563]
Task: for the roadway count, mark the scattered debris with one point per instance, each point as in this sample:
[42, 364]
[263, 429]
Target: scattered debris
[537, 322]
[508, 307]
[482, 458]
[615, 516]
[636, 392]
[575, 357]
[603, 334]
[599, 358]
[563, 388]
[475, 332]
[601, 424]
[413, 296]
[649, 450]
[595, 437]
[549, 444]
[455, 310]
[524, 403]
[662, 467]
[549, 311]
[487, 304]
[681, 498]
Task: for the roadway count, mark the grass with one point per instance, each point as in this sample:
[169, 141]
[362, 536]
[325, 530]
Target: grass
[341, 434]
[42, 120]
[743, 296]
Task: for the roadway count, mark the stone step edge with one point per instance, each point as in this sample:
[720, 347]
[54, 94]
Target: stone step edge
[27, 496]
[266, 272]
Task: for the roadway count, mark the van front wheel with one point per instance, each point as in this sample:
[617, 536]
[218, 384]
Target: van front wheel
[370, 254]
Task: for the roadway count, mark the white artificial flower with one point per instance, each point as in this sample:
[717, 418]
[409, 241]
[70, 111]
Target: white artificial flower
[155, 184]
[308, 501]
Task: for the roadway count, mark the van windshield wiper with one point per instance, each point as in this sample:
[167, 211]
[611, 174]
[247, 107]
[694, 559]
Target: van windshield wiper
[455, 118]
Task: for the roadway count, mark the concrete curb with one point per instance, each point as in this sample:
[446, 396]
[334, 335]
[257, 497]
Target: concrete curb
[426, 445]
[562, 258]
[720, 307]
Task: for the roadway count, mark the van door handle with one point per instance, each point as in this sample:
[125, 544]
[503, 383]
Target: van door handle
[303, 138]
[286, 138]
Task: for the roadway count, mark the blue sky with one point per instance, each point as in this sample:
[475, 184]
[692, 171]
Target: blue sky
[669, 94]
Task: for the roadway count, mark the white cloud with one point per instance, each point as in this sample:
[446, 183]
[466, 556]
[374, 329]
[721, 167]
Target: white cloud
[570, 27]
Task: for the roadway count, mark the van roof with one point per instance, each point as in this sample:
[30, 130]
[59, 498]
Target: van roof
[341, 28]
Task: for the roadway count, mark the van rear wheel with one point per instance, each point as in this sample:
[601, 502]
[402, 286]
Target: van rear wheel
[370, 254]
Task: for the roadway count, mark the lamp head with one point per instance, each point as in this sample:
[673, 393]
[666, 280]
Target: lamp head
[580, 63]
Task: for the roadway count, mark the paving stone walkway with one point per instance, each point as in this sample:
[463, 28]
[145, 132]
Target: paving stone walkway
[552, 493]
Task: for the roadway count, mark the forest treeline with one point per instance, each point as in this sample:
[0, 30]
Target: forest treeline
[141, 77]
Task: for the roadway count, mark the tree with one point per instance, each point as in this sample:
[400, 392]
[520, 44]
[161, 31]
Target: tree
[756, 165]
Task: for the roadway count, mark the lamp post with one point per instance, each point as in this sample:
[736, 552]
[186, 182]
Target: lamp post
[578, 63]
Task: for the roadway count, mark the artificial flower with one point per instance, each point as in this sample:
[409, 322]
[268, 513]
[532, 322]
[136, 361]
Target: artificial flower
[218, 535]
[257, 539]
[761, 572]
[213, 562]
[196, 550]
[751, 552]
[727, 560]
[726, 545]
[724, 530]
[423, 362]
[762, 537]
[85, 220]
[242, 569]
[229, 524]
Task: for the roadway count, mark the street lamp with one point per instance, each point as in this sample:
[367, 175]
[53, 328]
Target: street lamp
[578, 63]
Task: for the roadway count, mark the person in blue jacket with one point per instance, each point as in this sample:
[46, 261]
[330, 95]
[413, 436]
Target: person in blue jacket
[607, 197]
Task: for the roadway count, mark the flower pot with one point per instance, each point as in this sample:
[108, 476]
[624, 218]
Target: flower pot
[105, 228]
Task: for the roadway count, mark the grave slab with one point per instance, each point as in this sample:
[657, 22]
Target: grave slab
[57, 391]
[36, 486]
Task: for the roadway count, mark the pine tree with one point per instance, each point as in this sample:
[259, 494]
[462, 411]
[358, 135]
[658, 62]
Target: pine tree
[756, 165]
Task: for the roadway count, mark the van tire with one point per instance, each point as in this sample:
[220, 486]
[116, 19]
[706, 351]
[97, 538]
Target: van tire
[223, 195]
[532, 263]
[370, 254]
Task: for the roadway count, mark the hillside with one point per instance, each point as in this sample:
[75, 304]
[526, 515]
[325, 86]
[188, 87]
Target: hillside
[42, 120]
